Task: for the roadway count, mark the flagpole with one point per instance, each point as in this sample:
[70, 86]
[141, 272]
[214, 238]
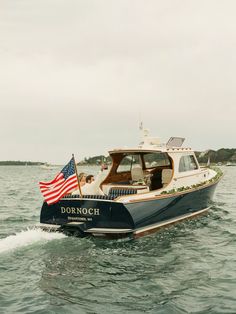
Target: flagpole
[76, 171]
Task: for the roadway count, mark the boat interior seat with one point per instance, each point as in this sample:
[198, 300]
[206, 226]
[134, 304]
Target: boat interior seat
[137, 174]
[121, 189]
[166, 176]
[116, 191]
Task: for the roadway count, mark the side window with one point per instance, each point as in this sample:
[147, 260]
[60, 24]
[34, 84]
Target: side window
[193, 164]
[187, 163]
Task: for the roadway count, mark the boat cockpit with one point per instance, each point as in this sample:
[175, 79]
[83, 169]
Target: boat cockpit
[138, 172]
[150, 168]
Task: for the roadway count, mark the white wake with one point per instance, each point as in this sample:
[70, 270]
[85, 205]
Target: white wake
[27, 237]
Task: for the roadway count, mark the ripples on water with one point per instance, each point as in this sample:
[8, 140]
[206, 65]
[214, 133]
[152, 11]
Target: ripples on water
[187, 268]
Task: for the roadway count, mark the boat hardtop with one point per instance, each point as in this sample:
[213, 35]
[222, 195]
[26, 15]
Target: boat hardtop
[153, 168]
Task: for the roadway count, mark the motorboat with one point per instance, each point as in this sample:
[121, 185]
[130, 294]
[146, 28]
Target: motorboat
[148, 187]
[47, 166]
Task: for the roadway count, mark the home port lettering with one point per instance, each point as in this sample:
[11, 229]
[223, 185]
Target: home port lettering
[80, 211]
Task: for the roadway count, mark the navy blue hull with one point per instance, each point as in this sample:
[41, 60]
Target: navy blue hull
[92, 213]
[149, 212]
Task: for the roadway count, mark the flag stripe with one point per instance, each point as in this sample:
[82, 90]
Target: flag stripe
[54, 180]
[60, 187]
[72, 186]
[56, 197]
[59, 182]
[59, 190]
[65, 182]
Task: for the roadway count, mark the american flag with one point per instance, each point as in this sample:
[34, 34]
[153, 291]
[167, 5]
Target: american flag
[65, 182]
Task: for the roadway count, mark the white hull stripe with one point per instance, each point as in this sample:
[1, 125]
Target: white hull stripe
[108, 230]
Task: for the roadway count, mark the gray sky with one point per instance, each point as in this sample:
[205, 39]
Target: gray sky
[75, 76]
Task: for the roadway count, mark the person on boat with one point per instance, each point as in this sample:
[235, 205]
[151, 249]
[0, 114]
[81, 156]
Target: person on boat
[89, 178]
[82, 178]
[104, 167]
[93, 188]
[82, 181]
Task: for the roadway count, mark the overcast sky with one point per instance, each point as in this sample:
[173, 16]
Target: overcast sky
[76, 76]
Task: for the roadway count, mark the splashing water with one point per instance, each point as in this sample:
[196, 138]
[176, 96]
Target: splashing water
[27, 237]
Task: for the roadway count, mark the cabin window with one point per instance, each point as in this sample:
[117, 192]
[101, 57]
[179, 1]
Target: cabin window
[128, 162]
[152, 160]
[187, 163]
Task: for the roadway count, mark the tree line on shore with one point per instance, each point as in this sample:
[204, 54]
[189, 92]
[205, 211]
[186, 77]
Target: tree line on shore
[222, 155]
[20, 163]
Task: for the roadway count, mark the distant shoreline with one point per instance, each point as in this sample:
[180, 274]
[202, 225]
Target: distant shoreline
[218, 157]
[20, 163]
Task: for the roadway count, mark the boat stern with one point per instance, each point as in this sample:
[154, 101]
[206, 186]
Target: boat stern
[81, 216]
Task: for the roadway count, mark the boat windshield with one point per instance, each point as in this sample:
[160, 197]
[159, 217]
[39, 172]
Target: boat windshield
[132, 169]
[152, 160]
[128, 162]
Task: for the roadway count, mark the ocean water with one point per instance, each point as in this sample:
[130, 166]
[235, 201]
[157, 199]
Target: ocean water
[187, 268]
